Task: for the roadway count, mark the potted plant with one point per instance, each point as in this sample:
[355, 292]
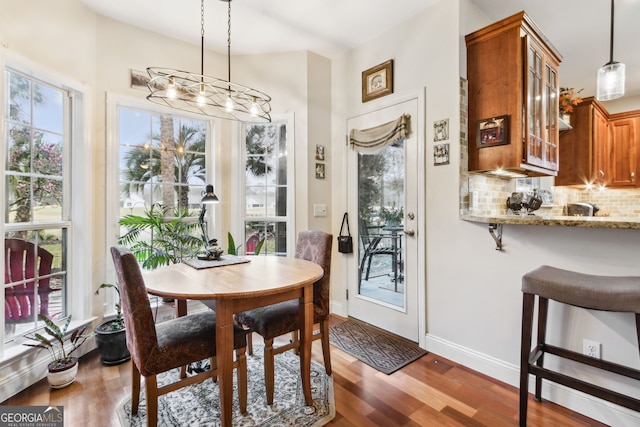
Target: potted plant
[111, 336]
[63, 368]
[392, 216]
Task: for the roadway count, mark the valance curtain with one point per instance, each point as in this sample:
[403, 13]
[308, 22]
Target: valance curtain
[375, 139]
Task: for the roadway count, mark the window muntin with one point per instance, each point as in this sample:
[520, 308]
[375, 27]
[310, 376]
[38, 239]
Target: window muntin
[37, 153]
[266, 190]
[162, 162]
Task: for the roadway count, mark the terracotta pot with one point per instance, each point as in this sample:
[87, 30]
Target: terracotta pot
[62, 376]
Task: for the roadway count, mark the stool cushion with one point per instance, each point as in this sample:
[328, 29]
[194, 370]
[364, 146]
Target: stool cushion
[606, 293]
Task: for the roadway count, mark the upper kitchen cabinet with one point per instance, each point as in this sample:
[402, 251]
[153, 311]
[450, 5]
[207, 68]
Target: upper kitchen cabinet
[512, 73]
[622, 150]
[583, 148]
[601, 148]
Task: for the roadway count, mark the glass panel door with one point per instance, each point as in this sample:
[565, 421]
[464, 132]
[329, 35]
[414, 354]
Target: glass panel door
[381, 210]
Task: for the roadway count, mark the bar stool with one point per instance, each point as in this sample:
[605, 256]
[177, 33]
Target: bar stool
[605, 293]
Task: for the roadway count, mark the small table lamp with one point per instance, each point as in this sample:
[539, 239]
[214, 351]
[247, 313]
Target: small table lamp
[212, 250]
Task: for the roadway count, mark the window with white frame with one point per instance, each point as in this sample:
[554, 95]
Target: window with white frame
[162, 161]
[37, 145]
[268, 196]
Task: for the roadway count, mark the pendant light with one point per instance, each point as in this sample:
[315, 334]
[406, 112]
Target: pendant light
[610, 75]
[201, 94]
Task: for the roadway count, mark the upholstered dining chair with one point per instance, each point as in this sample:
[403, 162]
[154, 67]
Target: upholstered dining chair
[157, 348]
[282, 318]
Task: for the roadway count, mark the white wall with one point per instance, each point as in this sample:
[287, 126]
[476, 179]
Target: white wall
[473, 306]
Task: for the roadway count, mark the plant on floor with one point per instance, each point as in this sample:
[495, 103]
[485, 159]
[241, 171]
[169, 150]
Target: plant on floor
[117, 323]
[111, 338]
[60, 356]
[63, 368]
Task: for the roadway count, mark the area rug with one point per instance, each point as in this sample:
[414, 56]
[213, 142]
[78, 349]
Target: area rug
[377, 348]
[199, 404]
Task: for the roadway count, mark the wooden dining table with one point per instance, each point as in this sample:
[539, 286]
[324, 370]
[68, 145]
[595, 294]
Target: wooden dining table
[229, 289]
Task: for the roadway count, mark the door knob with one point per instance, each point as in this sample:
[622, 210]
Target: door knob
[410, 232]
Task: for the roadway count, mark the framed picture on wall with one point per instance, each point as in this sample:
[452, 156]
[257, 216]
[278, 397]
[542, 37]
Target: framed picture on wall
[320, 170]
[493, 131]
[441, 154]
[377, 81]
[441, 130]
[319, 152]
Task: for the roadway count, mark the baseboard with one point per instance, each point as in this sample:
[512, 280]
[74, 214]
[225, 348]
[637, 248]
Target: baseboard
[587, 405]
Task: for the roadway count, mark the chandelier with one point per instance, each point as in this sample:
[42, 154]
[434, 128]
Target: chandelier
[610, 83]
[201, 94]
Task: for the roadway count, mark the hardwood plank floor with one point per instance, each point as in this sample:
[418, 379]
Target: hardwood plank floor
[431, 391]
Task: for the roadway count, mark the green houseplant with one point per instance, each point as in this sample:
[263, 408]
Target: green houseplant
[63, 367]
[172, 238]
[158, 239]
[392, 216]
[111, 334]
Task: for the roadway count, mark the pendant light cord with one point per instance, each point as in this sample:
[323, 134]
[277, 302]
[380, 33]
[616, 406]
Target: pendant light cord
[229, 41]
[611, 45]
[202, 40]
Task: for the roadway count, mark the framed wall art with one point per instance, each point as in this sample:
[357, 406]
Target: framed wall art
[377, 81]
[320, 169]
[493, 131]
[441, 130]
[319, 152]
[441, 154]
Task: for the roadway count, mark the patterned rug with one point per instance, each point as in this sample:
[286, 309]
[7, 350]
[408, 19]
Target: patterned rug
[199, 405]
[377, 348]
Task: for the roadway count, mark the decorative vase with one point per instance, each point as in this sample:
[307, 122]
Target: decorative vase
[60, 377]
[112, 344]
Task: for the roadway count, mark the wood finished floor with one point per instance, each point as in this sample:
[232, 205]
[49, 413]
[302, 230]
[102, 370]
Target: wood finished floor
[431, 391]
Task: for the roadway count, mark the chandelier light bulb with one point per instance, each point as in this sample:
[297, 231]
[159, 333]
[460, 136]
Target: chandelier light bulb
[202, 96]
[228, 106]
[171, 89]
[254, 110]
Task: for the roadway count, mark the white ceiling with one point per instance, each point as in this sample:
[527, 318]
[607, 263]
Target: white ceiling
[579, 29]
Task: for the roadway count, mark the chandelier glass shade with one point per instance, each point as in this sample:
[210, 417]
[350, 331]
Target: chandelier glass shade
[211, 96]
[611, 76]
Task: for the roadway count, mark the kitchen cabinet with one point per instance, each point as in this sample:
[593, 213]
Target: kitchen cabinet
[601, 148]
[512, 71]
[583, 148]
[622, 152]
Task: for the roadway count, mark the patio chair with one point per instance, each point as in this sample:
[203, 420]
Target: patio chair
[23, 264]
[376, 245]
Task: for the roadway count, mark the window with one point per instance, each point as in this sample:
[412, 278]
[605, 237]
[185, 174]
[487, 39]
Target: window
[268, 198]
[37, 214]
[162, 169]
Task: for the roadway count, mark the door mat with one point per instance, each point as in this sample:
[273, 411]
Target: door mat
[377, 348]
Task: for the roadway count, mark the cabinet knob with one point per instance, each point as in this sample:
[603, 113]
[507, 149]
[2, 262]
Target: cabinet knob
[601, 174]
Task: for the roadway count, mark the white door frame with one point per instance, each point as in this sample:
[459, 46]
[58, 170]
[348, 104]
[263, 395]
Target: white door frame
[350, 262]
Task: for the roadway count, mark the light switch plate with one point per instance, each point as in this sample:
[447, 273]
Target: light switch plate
[319, 210]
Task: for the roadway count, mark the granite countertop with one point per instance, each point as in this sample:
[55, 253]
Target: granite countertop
[632, 223]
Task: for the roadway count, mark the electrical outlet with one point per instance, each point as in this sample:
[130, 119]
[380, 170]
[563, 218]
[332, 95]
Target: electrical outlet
[591, 348]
